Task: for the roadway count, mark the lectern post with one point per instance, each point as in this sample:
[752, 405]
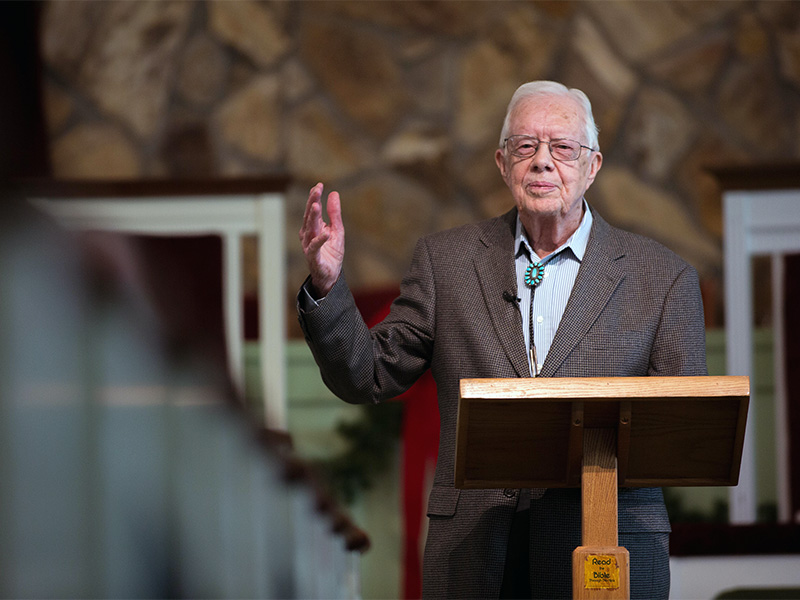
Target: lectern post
[600, 433]
[600, 567]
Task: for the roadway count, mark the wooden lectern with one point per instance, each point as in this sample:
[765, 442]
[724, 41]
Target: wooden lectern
[599, 433]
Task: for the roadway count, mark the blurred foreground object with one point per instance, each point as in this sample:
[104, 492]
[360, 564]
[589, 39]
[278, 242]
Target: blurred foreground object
[127, 469]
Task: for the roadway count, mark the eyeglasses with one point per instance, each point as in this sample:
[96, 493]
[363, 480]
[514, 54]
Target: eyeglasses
[525, 146]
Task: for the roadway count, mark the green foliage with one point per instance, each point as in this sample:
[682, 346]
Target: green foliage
[371, 444]
[678, 513]
[767, 512]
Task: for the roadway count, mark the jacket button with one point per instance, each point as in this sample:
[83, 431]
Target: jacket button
[509, 493]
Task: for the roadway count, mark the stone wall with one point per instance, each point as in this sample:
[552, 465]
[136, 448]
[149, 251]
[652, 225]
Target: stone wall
[398, 105]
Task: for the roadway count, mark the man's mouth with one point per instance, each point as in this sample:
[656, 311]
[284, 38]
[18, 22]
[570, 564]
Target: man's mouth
[541, 186]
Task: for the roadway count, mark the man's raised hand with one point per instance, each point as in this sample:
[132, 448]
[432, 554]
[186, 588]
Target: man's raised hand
[323, 243]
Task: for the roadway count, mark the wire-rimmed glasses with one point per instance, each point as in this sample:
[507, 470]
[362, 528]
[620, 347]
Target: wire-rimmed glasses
[525, 146]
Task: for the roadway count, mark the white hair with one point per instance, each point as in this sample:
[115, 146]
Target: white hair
[553, 88]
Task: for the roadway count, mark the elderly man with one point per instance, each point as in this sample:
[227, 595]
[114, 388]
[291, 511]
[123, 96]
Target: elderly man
[548, 289]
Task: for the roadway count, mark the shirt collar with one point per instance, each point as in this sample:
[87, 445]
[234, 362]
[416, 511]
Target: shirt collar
[577, 242]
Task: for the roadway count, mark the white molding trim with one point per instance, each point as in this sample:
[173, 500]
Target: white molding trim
[230, 217]
[757, 223]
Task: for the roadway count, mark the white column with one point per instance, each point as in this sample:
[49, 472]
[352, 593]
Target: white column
[232, 307]
[272, 308]
[739, 340]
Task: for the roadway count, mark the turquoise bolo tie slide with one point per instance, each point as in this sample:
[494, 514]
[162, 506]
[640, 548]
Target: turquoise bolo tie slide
[534, 274]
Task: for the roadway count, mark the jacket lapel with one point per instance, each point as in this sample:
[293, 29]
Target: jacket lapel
[600, 274]
[496, 273]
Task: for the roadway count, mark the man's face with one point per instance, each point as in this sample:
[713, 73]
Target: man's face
[542, 186]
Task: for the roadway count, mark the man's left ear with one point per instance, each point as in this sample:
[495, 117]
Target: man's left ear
[594, 166]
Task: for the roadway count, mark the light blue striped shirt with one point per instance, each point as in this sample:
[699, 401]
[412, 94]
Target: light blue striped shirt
[551, 295]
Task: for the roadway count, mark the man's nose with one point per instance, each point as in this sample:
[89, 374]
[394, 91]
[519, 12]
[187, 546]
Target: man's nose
[542, 159]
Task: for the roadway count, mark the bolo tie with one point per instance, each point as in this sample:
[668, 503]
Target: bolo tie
[533, 277]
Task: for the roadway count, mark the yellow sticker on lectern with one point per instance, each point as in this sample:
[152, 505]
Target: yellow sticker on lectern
[601, 572]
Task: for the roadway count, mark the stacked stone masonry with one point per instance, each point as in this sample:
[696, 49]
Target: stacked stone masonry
[399, 104]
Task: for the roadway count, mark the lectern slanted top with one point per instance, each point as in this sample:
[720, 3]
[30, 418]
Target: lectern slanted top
[671, 431]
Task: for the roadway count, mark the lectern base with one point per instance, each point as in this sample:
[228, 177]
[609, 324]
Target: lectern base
[601, 572]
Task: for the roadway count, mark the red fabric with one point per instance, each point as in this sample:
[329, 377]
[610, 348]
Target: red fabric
[419, 449]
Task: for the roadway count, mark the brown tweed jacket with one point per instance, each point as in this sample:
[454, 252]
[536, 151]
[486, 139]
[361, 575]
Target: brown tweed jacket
[635, 310]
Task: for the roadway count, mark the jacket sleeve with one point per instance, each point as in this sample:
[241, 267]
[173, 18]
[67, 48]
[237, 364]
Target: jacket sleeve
[680, 344]
[360, 365]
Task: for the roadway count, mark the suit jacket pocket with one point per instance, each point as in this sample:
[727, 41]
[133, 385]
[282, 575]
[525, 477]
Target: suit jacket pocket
[443, 501]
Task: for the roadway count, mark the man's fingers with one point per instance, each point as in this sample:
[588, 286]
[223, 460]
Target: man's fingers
[335, 212]
[314, 197]
[315, 243]
[312, 219]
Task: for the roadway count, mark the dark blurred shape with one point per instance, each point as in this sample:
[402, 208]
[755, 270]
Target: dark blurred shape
[23, 136]
[791, 320]
[183, 276]
[765, 593]
[723, 539]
